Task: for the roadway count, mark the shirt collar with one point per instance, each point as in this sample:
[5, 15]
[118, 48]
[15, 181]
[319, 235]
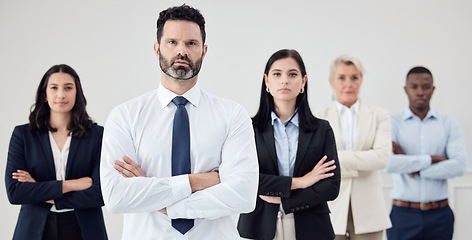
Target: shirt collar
[166, 96]
[407, 114]
[341, 107]
[294, 118]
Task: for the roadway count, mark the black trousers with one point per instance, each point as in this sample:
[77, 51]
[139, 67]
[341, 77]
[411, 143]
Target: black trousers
[62, 226]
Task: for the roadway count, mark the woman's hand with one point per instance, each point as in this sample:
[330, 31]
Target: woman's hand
[271, 199]
[76, 184]
[319, 172]
[23, 176]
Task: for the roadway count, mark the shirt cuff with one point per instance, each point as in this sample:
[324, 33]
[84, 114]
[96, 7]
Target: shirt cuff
[181, 189]
[424, 161]
[180, 186]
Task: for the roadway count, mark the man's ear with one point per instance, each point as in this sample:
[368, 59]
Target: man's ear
[205, 49]
[156, 49]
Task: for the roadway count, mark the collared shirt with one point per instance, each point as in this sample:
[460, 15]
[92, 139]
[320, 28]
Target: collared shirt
[438, 134]
[348, 124]
[60, 163]
[286, 144]
[221, 138]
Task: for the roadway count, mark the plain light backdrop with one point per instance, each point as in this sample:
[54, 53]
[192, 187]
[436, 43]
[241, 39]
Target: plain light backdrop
[110, 45]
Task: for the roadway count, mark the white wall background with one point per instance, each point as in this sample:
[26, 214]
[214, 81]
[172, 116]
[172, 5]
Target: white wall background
[109, 44]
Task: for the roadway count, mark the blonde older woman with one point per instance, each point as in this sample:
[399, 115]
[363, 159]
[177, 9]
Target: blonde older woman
[363, 141]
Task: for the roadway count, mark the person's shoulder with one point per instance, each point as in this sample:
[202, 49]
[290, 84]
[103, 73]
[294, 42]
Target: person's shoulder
[220, 101]
[22, 126]
[321, 123]
[96, 128]
[324, 113]
[446, 118]
[375, 109]
[22, 130]
[136, 103]
[139, 99]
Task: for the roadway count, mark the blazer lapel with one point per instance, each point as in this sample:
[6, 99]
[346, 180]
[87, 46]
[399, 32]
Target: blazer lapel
[46, 145]
[364, 122]
[74, 146]
[268, 137]
[303, 143]
[333, 118]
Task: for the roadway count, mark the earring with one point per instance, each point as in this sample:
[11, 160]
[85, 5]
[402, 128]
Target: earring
[267, 89]
[302, 90]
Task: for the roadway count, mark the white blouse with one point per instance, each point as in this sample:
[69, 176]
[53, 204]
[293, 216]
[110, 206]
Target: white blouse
[60, 163]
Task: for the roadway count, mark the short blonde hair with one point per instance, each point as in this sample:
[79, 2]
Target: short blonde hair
[348, 60]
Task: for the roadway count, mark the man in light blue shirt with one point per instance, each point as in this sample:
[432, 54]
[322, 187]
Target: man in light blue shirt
[428, 149]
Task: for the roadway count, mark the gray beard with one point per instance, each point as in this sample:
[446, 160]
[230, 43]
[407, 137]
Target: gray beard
[171, 72]
[181, 73]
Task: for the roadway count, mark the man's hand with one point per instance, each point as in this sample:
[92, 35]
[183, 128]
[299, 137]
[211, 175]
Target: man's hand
[271, 199]
[22, 176]
[163, 211]
[200, 181]
[436, 159]
[396, 148]
[128, 168]
[319, 172]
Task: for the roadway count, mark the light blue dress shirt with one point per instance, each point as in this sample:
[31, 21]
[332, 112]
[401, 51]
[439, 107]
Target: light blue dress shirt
[286, 143]
[437, 134]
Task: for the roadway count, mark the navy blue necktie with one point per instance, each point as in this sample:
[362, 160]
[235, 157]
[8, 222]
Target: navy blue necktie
[181, 153]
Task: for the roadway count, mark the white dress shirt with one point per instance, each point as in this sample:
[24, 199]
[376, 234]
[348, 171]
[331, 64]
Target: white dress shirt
[60, 163]
[221, 138]
[348, 124]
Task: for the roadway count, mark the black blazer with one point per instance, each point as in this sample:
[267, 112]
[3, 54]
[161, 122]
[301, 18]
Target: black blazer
[32, 152]
[309, 205]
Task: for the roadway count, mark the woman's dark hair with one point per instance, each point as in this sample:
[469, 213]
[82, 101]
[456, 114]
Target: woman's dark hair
[266, 104]
[40, 111]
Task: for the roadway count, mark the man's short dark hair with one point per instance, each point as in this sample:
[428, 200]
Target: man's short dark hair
[183, 12]
[419, 69]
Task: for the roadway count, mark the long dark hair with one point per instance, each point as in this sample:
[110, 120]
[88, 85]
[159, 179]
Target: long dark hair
[266, 104]
[40, 112]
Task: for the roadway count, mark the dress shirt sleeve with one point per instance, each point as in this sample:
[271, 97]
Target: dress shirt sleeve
[322, 191]
[137, 194]
[375, 158]
[238, 175]
[26, 192]
[401, 163]
[92, 196]
[456, 153]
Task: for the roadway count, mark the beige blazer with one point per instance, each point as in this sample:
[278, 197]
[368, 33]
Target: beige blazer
[361, 182]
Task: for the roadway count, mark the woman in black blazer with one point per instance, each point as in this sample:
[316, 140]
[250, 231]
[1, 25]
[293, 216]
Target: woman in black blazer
[53, 164]
[295, 180]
